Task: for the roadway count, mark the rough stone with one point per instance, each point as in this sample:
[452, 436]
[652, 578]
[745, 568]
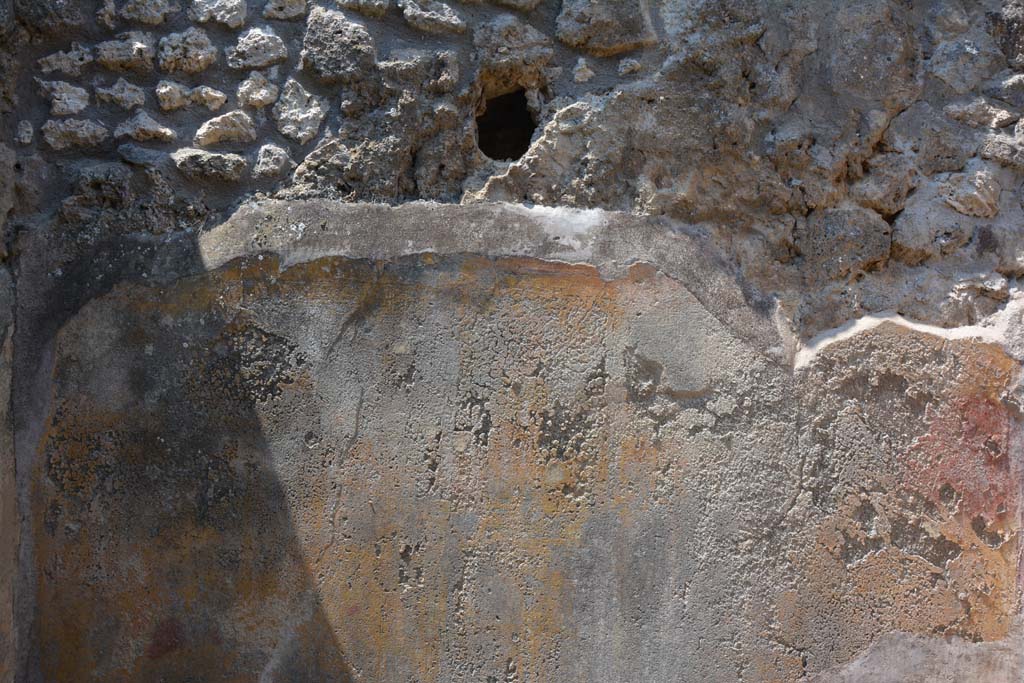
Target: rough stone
[106, 14]
[840, 242]
[336, 49]
[973, 194]
[371, 8]
[257, 48]
[172, 95]
[65, 99]
[963, 62]
[190, 51]
[70, 62]
[143, 128]
[298, 112]
[629, 66]
[521, 5]
[1009, 31]
[151, 12]
[46, 17]
[890, 178]
[198, 163]
[980, 113]
[235, 126]
[284, 9]
[211, 98]
[257, 91]
[511, 54]
[1006, 149]
[231, 13]
[145, 157]
[581, 73]
[132, 51]
[431, 16]
[938, 145]
[73, 133]
[605, 28]
[122, 93]
[25, 133]
[272, 162]
[469, 364]
[927, 230]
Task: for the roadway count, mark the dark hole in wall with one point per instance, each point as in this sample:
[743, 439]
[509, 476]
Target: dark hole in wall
[505, 128]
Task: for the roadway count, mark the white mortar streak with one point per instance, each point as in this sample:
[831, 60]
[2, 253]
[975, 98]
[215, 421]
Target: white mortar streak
[993, 330]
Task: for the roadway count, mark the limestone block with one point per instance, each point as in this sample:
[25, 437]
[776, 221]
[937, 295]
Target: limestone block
[190, 51]
[122, 93]
[257, 48]
[69, 62]
[980, 113]
[24, 133]
[143, 128]
[975, 193]
[298, 112]
[605, 28]
[337, 49]
[172, 95]
[73, 133]
[132, 51]
[200, 164]
[272, 162]
[431, 16]
[235, 126]
[151, 12]
[257, 91]
[371, 8]
[65, 99]
[284, 9]
[231, 13]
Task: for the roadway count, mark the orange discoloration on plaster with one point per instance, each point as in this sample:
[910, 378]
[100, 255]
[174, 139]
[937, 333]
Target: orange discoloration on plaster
[266, 520]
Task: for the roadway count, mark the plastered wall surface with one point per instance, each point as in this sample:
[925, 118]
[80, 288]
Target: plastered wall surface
[525, 340]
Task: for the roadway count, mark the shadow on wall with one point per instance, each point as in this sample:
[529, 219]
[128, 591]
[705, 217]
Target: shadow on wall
[160, 545]
[161, 501]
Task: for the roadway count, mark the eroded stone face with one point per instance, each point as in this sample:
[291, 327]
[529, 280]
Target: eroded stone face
[316, 470]
[302, 389]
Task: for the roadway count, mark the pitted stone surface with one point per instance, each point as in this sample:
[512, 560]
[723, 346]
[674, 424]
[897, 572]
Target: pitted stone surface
[298, 113]
[231, 13]
[65, 99]
[70, 62]
[337, 49]
[257, 91]
[257, 48]
[284, 9]
[131, 51]
[272, 162]
[188, 52]
[431, 16]
[235, 126]
[511, 340]
[197, 163]
[371, 8]
[143, 127]
[524, 384]
[70, 133]
[152, 12]
[122, 93]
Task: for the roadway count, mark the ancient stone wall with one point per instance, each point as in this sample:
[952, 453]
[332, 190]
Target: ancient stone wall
[511, 340]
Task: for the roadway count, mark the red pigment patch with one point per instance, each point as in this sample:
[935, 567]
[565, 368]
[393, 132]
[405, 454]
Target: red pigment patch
[167, 637]
[967, 447]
